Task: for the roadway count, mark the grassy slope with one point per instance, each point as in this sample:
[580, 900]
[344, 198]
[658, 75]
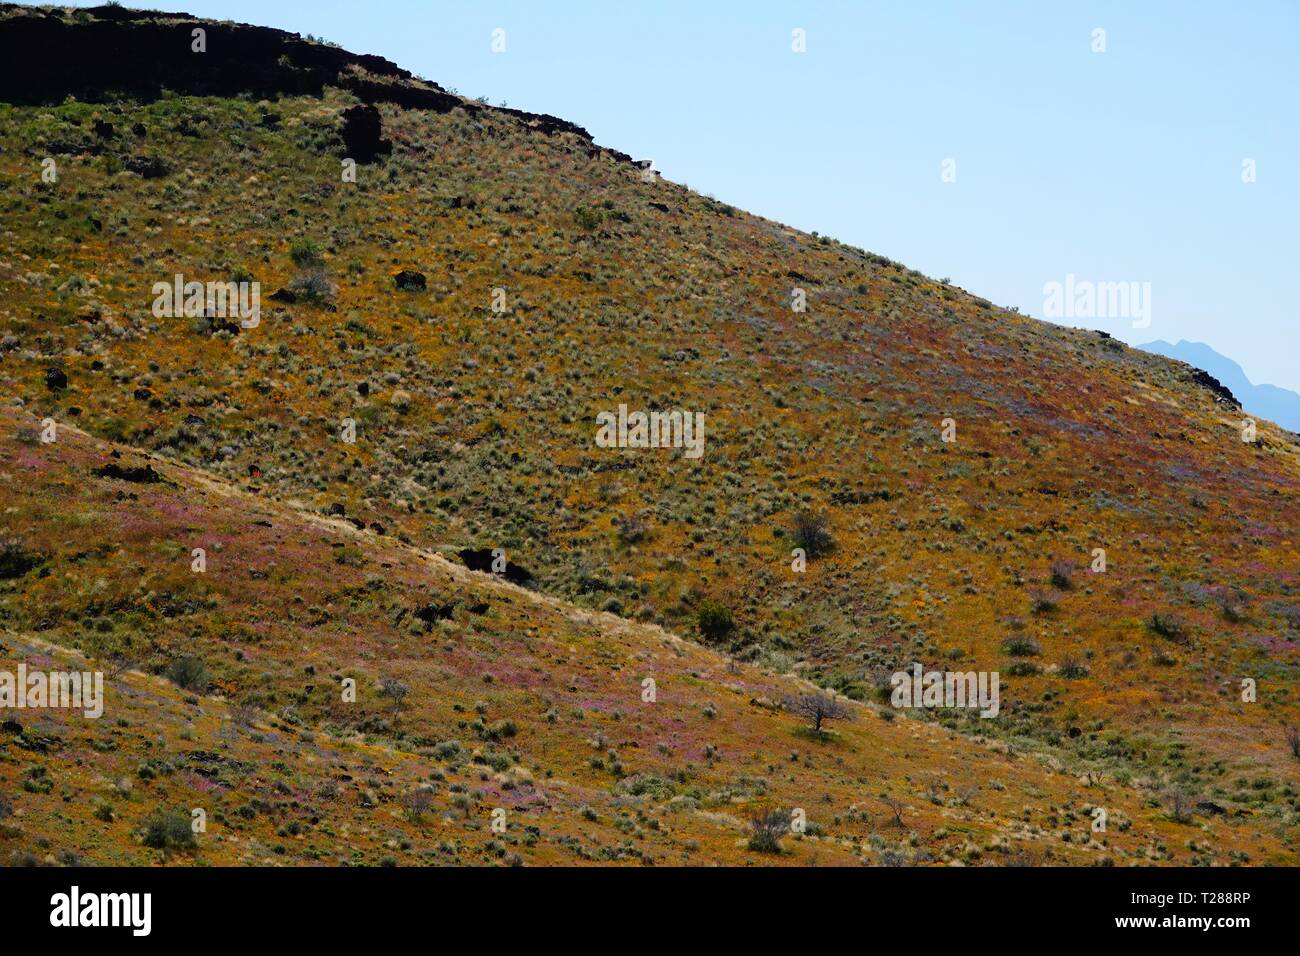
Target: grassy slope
[1066, 441]
[292, 603]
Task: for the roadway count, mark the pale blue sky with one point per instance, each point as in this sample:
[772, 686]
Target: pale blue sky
[1115, 166]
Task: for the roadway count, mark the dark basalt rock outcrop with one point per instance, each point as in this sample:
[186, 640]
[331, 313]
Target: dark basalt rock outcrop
[105, 51]
[435, 611]
[480, 559]
[143, 474]
[410, 280]
[363, 134]
[1206, 380]
[150, 167]
[16, 560]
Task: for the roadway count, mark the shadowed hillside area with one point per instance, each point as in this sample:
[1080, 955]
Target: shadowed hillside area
[371, 452]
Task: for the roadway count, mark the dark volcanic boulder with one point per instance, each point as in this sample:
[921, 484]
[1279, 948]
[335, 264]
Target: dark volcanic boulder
[435, 611]
[150, 167]
[410, 280]
[480, 559]
[143, 474]
[363, 134]
[55, 379]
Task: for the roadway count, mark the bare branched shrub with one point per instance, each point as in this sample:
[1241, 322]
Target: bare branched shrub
[895, 808]
[1232, 604]
[1062, 574]
[1040, 602]
[1072, 667]
[243, 713]
[1178, 802]
[1293, 739]
[1167, 626]
[766, 829]
[417, 803]
[394, 690]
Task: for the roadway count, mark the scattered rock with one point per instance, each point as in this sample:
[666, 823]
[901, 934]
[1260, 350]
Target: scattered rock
[55, 379]
[480, 559]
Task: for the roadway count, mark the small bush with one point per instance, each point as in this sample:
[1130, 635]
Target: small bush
[306, 253]
[1167, 626]
[188, 673]
[1021, 647]
[812, 533]
[312, 285]
[1062, 572]
[416, 803]
[1072, 668]
[1042, 603]
[818, 708]
[587, 217]
[169, 830]
[715, 621]
[766, 829]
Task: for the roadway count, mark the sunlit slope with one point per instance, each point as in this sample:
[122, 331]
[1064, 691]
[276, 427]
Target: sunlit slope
[513, 702]
[562, 281]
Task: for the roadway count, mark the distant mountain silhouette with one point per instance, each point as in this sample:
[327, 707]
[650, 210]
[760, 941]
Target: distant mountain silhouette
[1268, 401]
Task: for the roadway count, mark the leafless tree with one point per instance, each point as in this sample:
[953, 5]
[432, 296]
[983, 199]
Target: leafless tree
[1178, 801]
[818, 707]
[1293, 739]
[394, 690]
[895, 807]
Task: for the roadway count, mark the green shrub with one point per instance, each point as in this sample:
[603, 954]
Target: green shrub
[1021, 647]
[169, 830]
[715, 621]
[306, 253]
[188, 672]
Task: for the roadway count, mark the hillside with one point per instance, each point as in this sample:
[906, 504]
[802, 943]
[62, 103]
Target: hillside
[514, 701]
[1278, 405]
[489, 284]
